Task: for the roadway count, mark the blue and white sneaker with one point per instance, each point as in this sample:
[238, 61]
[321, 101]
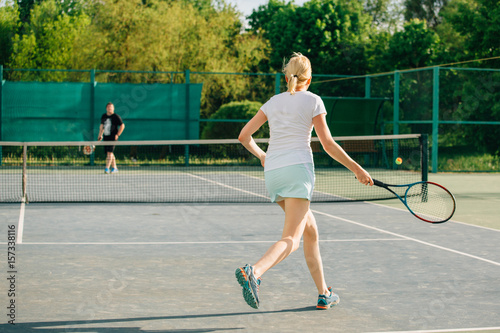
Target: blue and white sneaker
[114, 170]
[327, 301]
[250, 285]
[106, 171]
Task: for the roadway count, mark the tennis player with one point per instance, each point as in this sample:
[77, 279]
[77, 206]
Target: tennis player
[110, 129]
[289, 175]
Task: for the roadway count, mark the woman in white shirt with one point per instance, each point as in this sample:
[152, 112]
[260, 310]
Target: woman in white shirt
[289, 174]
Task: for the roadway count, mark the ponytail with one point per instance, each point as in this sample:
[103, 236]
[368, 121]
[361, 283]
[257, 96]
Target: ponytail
[297, 71]
[292, 83]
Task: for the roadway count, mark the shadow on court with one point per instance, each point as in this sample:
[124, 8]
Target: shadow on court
[68, 326]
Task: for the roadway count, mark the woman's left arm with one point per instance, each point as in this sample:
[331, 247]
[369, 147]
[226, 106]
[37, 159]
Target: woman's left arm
[246, 133]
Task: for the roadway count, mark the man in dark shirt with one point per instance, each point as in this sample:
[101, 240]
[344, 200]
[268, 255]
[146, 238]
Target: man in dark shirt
[111, 128]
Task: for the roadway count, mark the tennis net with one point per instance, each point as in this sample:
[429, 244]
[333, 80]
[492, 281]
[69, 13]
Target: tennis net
[203, 171]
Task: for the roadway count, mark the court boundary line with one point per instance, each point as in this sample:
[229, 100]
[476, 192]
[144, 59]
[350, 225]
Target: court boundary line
[227, 186]
[20, 222]
[408, 238]
[210, 242]
[454, 221]
[356, 223]
[450, 330]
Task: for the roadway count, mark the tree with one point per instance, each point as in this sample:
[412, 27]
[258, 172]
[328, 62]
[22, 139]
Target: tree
[424, 10]
[48, 38]
[478, 22]
[157, 35]
[9, 23]
[332, 33]
[413, 47]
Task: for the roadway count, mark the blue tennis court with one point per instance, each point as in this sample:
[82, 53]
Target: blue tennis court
[170, 268]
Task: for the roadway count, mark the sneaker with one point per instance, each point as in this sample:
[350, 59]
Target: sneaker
[250, 285]
[327, 301]
[114, 170]
[106, 170]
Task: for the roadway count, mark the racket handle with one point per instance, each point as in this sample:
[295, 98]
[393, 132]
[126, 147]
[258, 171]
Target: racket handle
[375, 182]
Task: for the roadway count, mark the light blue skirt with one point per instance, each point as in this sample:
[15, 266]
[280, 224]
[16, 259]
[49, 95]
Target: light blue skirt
[293, 181]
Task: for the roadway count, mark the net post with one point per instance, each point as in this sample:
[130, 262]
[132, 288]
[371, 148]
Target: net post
[424, 145]
[25, 175]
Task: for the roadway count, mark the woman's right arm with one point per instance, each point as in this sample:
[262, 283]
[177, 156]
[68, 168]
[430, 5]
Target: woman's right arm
[246, 133]
[336, 152]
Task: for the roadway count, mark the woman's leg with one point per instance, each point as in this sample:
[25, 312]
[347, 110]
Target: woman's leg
[296, 214]
[312, 254]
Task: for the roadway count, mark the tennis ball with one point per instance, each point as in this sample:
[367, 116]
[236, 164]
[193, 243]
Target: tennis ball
[399, 160]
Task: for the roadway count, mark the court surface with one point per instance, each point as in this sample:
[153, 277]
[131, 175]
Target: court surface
[170, 268]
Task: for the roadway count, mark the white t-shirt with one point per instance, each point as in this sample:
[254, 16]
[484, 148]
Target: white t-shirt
[290, 123]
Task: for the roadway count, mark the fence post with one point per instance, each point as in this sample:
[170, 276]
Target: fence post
[368, 86]
[92, 111]
[1, 106]
[395, 129]
[435, 118]
[277, 83]
[186, 147]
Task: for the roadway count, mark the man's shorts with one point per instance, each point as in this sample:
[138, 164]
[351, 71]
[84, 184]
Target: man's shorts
[109, 149]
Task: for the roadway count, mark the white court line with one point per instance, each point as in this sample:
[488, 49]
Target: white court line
[331, 216]
[409, 238]
[366, 226]
[476, 329]
[20, 223]
[205, 243]
[227, 186]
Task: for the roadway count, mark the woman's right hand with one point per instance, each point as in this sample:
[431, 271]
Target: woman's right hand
[364, 177]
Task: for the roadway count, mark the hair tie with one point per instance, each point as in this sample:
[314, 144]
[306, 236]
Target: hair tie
[294, 75]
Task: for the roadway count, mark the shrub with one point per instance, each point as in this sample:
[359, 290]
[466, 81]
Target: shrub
[231, 130]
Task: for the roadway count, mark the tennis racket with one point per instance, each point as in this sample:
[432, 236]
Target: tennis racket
[87, 150]
[428, 201]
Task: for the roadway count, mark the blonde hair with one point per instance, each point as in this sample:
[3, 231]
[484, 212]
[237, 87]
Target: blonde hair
[298, 70]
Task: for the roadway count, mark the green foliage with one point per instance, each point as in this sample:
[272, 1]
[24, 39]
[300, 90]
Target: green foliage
[332, 33]
[481, 101]
[9, 23]
[427, 10]
[172, 36]
[231, 130]
[478, 21]
[413, 47]
[48, 39]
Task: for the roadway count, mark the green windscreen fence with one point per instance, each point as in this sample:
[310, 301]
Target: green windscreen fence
[53, 111]
[354, 116]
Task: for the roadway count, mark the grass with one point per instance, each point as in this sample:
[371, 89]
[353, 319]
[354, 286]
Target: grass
[467, 159]
[471, 163]
[82, 161]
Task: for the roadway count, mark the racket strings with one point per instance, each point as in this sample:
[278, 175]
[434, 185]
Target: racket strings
[430, 202]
